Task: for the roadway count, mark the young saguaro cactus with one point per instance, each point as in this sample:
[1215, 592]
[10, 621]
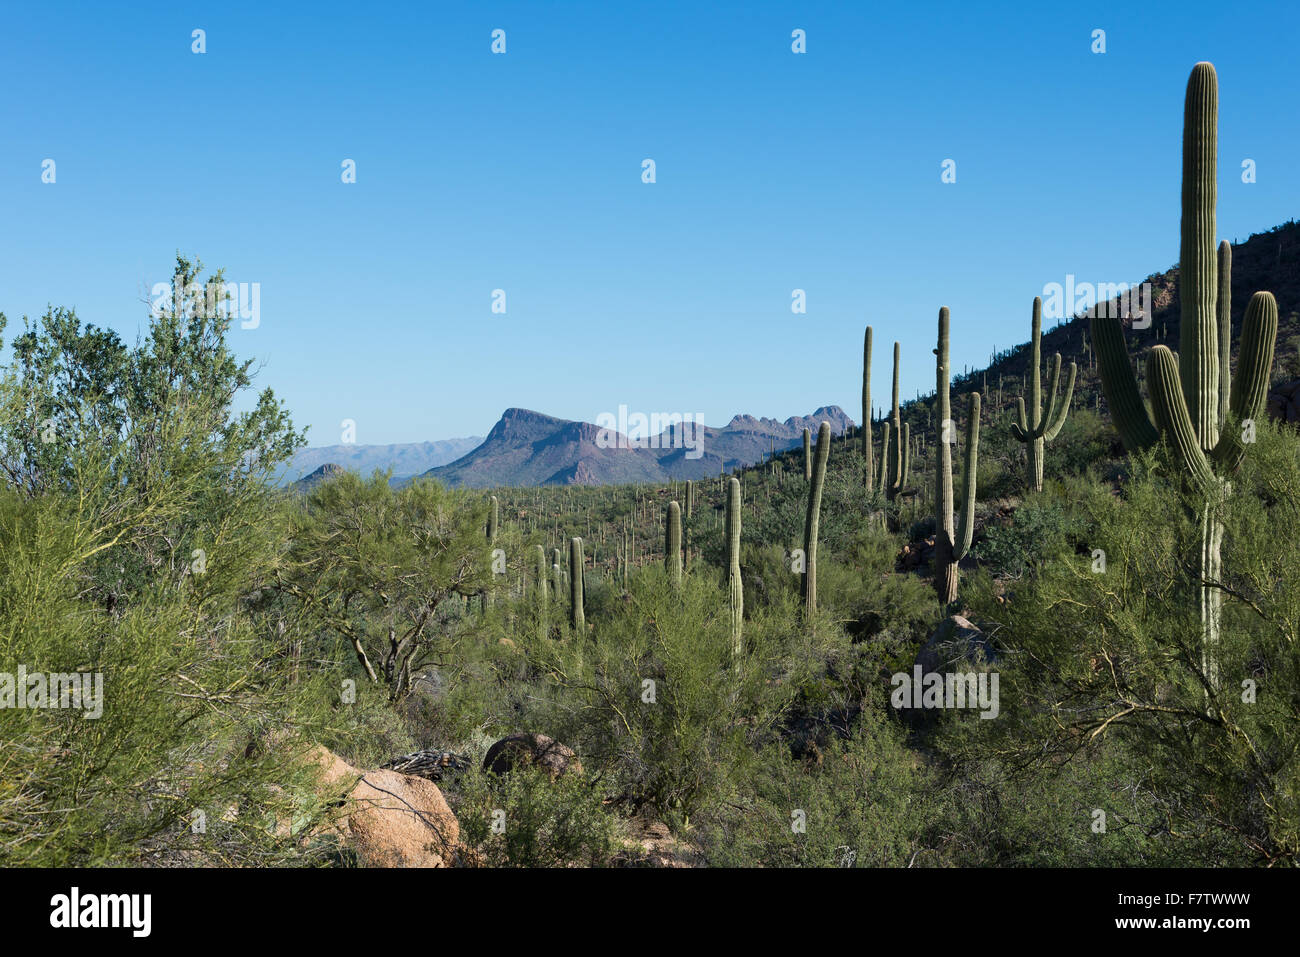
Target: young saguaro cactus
[952, 540]
[897, 459]
[673, 543]
[577, 618]
[1039, 428]
[734, 585]
[813, 520]
[1204, 414]
[807, 456]
[868, 453]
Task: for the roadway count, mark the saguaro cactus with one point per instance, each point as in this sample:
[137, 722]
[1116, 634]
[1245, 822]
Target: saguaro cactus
[577, 618]
[813, 520]
[543, 601]
[807, 456]
[673, 543]
[952, 540]
[896, 460]
[494, 516]
[868, 453]
[1039, 428]
[686, 526]
[734, 584]
[1206, 433]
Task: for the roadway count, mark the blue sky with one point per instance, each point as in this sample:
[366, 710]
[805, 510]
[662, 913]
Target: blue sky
[522, 172]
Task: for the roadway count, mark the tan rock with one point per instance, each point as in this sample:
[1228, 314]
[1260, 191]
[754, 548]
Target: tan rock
[390, 819]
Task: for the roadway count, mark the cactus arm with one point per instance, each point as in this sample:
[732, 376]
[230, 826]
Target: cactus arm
[1173, 417]
[1225, 329]
[1198, 350]
[1020, 428]
[1127, 410]
[1053, 397]
[1061, 409]
[966, 526]
[1250, 385]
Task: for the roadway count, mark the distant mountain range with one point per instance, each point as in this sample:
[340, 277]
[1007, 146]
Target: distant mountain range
[405, 460]
[528, 448]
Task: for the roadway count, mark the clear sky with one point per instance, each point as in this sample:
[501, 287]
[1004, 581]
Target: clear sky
[522, 171]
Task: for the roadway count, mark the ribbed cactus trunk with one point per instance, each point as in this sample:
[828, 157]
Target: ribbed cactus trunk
[577, 616]
[543, 601]
[868, 453]
[734, 585]
[807, 456]
[1040, 427]
[813, 520]
[673, 544]
[952, 540]
[1202, 429]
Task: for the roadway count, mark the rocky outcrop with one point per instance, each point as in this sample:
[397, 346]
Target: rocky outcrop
[390, 819]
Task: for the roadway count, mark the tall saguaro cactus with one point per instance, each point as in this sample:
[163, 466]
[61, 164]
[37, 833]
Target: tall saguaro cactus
[494, 517]
[868, 453]
[1039, 428]
[952, 540]
[543, 626]
[1198, 408]
[807, 456]
[734, 585]
[577, 617]
[813, 520]
[896, 457]
[673, 543]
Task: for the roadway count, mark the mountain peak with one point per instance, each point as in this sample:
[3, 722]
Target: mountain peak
[530, 448]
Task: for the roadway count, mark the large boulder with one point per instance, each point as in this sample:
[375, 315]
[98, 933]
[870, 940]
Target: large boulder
[525, 748]
[388, 818]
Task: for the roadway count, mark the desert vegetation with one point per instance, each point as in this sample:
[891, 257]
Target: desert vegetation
[693, 673]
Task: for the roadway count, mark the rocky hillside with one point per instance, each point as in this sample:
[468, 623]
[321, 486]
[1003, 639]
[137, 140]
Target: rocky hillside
[528, 448]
